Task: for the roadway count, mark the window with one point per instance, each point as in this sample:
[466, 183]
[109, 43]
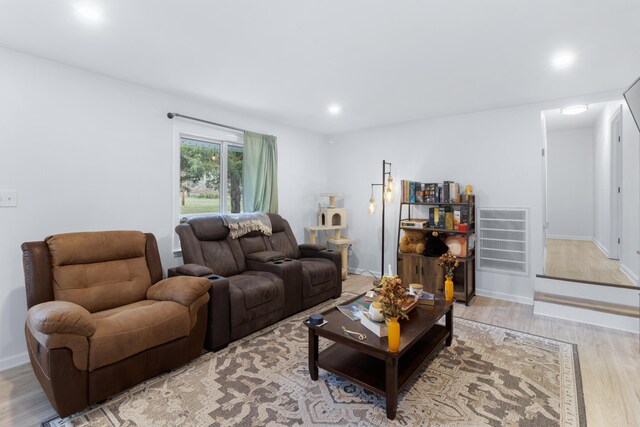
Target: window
[208, 173]
[210, 177]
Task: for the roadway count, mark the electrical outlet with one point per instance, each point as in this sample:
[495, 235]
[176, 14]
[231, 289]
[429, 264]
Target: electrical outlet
[8, 198]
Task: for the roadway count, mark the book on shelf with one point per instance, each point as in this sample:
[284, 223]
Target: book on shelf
[456, 218]
[448, 217]
[447, 189]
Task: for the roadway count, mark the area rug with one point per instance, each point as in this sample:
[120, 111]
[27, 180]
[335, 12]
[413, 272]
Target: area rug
[489, 376]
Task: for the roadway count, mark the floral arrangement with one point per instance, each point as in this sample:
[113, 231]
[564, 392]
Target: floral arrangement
[391, 296]
[448, 262]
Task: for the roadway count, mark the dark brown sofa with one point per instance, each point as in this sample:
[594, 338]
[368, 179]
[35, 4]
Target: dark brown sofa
[101, 318]
[256, 279]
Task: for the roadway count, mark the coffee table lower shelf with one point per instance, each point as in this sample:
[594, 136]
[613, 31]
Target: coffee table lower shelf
[371, 372]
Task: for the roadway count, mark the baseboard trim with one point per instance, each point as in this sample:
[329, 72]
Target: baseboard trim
[627, 272]
[364, 272]
[581, 315]
[563, 237]
[505, 297]
[13, 361]
[601, 247]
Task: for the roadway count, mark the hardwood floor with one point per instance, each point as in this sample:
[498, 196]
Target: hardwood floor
[609, 362]
[582, 260]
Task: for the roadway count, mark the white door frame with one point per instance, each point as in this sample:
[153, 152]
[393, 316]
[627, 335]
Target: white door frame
[616, 184]
[545, 204]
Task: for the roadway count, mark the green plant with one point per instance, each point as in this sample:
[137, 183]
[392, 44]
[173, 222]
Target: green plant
[391, 296]
[448, 262]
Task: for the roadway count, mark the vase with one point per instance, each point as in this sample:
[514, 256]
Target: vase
[448, 288]
[394, 334]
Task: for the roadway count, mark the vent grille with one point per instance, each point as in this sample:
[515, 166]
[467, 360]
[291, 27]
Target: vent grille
[502, 240]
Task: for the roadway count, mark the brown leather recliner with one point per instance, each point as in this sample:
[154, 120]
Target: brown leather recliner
[242, 300]
[101, 318]
[321, 268]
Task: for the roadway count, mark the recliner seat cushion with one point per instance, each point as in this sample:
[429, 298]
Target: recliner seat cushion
[253, 295]
[99, 270]
[124, 331]
[318, 275]
[257, 287]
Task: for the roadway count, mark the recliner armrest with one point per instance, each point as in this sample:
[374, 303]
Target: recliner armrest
[332, 256]
[196, 270]
[312, 247]
[184, 290]
[61, 317]
[265, 256]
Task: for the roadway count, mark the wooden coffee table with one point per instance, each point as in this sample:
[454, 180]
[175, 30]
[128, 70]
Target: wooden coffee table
[369, 363]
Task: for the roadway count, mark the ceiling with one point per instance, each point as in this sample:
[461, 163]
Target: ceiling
[556, 121]
[383, 62]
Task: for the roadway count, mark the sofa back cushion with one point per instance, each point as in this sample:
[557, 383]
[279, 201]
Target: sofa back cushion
[282, 238]
[99, 270]
[205, 241]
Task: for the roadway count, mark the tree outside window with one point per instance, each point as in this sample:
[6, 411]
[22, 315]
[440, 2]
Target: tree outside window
[202, 181]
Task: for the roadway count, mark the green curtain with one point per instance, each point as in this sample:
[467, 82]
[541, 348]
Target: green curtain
[260, 173]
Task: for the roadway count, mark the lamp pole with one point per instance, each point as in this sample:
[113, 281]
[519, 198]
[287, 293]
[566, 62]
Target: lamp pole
[386, 188]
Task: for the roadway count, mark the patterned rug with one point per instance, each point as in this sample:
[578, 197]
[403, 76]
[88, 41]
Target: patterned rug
[489, 376]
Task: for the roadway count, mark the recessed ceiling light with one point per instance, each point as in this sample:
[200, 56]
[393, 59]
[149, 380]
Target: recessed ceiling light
[573, 110]
[88, 12]
[334, 109]
[563, 60]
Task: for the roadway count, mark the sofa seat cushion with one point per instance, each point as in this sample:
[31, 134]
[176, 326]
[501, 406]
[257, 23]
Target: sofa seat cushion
[257, 287]
[254, 294]
[317, 272]
[124, 331]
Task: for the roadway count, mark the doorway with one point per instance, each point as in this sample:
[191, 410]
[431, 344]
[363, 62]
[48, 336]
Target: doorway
[583, 207]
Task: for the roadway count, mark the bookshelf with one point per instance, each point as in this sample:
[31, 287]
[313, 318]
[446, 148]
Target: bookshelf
[417, 268]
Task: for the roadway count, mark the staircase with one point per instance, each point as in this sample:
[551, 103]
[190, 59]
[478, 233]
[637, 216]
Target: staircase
[601, 304]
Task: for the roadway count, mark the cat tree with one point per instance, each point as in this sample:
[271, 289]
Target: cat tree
[332, 218]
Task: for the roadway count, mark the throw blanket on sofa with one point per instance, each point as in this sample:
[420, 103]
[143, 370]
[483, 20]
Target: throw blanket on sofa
[243, 223]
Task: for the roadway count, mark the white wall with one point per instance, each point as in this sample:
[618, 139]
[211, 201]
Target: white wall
[602, 177]
[630, 223]
[87, 152]
[498, 151]
[570, 184]
[630, 242]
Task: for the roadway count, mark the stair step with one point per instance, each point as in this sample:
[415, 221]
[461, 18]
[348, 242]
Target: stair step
[588, 304]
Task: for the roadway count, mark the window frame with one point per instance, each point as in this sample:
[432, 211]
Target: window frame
[211, 134]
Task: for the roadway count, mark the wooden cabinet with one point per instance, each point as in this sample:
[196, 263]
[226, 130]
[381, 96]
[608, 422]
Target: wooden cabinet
[416, 268]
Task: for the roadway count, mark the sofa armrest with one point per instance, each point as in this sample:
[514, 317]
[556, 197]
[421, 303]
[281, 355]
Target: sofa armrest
[61, 317]
[333, 256]
[184, 290]
[290, 271]
[196, 270]
[265, 256]
[312, 247]
[218, 315]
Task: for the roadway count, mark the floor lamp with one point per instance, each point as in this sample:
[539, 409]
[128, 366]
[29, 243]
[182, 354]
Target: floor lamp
[387, 197]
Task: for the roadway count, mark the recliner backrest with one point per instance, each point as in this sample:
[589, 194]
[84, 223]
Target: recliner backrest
[99, 270]
[282, 238]
[205, 241]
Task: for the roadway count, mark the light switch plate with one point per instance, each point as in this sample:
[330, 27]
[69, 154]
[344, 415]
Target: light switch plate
[8, 198]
